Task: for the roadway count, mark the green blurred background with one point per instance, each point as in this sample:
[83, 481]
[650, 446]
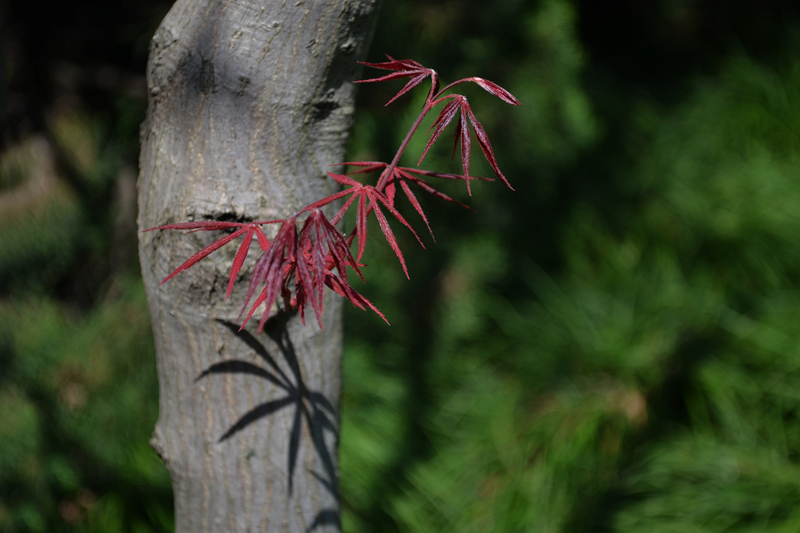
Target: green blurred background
[615, 346]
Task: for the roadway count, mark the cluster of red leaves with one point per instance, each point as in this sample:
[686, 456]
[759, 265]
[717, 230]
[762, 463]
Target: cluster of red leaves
[302, 260]
[297, 265]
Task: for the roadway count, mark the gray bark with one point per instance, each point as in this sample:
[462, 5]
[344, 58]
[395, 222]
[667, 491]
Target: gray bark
[249, 103]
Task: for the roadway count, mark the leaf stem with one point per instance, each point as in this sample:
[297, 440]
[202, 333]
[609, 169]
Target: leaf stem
[388, 171]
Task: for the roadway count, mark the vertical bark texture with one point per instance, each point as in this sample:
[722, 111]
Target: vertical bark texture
[249, 103]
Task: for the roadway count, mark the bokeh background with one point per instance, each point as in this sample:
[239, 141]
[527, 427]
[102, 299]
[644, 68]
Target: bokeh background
[612, 347]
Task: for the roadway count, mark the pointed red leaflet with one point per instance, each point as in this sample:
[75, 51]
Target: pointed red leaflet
[413, 82]
[270, 269]
[304, 276]
[387, 232]
[325, 201]
[463, 134]
[319, 255]
[238, 260]
[202, 254]
[403, 68]
[426, 187]
[395, 213]
[369, 166]
[442, 121]
[341, 288]
[389, 189]
[488, 86]
[375, 196]
[444, 175]
[311, 262]
[345, 207]
[259, 271]
[466, 118]
[282, 250]
[343, 180]
[203, 225]
[415, 203]
[263, 242]
[492, 88]
[483, 140]
[361, 224]
[340, 251]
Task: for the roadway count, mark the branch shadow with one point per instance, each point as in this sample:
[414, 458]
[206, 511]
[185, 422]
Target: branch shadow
[310, 406]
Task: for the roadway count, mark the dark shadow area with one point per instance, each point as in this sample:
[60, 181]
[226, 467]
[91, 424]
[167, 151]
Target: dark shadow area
[309, 406]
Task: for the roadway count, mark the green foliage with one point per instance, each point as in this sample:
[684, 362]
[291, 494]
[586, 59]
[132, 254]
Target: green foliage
[634, 370]
[77, 404]
[78, 386]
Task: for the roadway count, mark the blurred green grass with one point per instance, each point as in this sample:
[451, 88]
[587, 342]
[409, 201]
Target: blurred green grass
[76, 409]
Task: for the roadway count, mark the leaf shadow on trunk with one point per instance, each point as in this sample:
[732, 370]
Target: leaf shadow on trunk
[313, 407]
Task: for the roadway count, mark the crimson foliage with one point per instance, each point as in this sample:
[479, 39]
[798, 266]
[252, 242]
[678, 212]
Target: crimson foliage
[298, 264]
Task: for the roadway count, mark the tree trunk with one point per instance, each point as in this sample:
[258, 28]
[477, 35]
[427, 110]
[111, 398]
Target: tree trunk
[249, 104]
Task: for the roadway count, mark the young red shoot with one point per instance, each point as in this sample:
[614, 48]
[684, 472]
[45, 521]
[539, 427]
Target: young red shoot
[295, 266]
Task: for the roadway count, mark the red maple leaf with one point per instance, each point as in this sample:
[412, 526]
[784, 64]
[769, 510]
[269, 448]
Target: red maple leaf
[404, 175]
[370, 200]
[459, 105]
[248, 229]
[404, 68]
[297, 265]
